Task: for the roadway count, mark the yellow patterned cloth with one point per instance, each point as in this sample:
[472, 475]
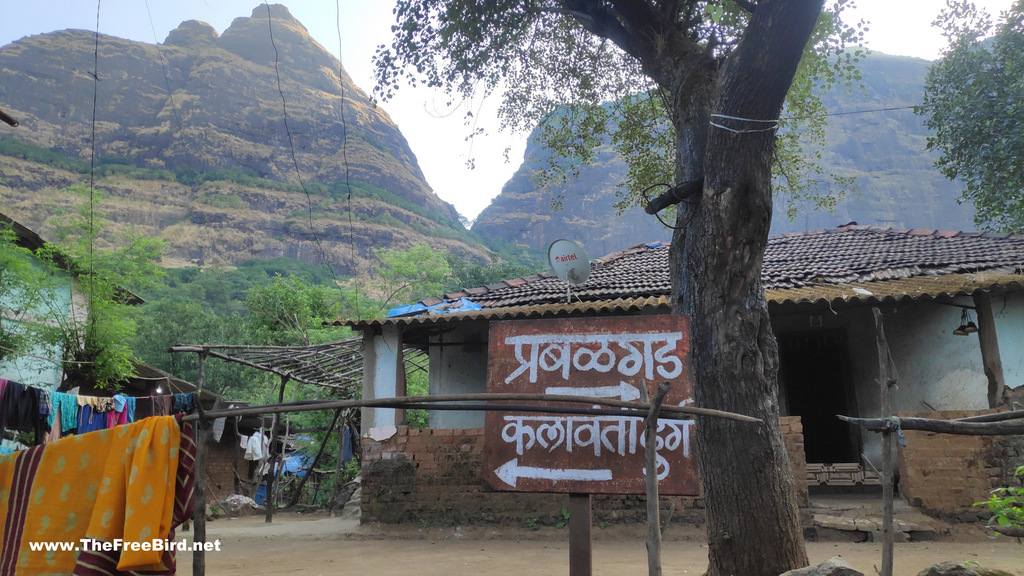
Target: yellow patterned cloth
[115, 484]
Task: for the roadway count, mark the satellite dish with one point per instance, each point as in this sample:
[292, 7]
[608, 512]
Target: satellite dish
[569, 262]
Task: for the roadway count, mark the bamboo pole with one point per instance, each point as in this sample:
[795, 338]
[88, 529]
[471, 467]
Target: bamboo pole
[405, 401]
[271, 471]
[337, 466]
[651, 481]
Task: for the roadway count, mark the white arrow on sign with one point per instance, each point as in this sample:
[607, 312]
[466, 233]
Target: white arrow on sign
[624, 391]
[510, 473]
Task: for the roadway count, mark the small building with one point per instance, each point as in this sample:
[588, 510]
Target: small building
[953, 307]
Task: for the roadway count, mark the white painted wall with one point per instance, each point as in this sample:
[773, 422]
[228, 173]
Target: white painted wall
[380, 379]
[458, 365]
[1008, 312]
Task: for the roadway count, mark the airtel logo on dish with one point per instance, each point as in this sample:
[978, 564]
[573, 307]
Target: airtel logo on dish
[566, 258]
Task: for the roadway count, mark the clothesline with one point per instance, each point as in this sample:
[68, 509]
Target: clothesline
[51, 415]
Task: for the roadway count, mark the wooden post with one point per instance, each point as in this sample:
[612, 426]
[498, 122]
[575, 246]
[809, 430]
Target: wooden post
[989, 343]
[651, 481]
[269, 497]
[581, 543]
[202, 431]
[337, 466]
[237, 484]
[887, 380]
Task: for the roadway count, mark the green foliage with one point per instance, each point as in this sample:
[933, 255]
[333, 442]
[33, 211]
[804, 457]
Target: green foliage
[289, 312]
[169, 322]
[1007, 504]
[565, 519]
[466, 273]
[416, 384]
[55, 158]
[801, 176]
[109, 165]
[409, 276]
[558, 76]
[223, 291]
[22, 290]
[974, 101]
[226, 201]
[94, 335]
[108, 268]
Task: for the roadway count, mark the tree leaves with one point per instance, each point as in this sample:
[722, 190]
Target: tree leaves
[974, 101]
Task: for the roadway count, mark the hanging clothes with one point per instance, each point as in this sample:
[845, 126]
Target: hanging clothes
[148, 471]
[129, 408]
[161, 405]
[68, 404]
[118, 415]
[19, 410]
[89, 420]
[218, 428]
[184, 402]
[54, 433]
[257, 446]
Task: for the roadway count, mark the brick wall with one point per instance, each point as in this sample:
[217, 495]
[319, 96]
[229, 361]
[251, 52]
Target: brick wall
[793, 434]
[220, 457]
[434, 476]
[945, 474]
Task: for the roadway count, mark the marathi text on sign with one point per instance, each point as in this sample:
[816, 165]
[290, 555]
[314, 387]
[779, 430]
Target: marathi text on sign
[593, 357]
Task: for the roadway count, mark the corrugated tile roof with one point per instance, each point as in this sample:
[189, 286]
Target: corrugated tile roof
[824, 265]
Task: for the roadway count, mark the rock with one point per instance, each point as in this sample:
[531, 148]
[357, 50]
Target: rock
[352, 509]
[834, 566]
[991, 572]
[948, 569]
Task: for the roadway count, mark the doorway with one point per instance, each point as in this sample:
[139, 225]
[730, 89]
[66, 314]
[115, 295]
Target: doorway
[815, 376]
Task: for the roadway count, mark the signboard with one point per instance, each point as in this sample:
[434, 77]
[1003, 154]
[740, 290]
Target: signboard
[592, 357]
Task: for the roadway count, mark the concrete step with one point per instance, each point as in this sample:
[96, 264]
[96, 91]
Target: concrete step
[864, 528]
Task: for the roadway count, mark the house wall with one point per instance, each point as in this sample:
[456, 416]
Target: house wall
[458, 365]
[1008, 312]
[220, 467]
[33, 369]
[945, 474]
[435, 476]
[935, 368]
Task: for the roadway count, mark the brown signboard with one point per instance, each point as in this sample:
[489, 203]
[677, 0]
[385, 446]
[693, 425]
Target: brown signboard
[591, 357]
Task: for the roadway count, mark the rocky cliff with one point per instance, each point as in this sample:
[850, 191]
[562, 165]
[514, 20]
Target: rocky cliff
[208, 155]
[897, 184]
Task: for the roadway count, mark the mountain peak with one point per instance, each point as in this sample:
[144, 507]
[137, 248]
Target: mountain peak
[191, 33]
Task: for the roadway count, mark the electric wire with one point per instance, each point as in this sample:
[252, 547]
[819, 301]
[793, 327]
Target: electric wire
[291, 142]
[167, 83]
[344, 150]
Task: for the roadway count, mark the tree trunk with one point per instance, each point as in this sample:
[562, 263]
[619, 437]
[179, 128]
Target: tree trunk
[753, 524]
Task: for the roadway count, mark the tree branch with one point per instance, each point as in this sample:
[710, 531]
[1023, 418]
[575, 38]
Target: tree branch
[1011, 427]
[675, 195]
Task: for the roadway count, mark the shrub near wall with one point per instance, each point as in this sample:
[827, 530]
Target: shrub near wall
[434, 477]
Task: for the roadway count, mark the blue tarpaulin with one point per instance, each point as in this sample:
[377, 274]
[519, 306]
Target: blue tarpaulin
[460, 305]
[295, 462]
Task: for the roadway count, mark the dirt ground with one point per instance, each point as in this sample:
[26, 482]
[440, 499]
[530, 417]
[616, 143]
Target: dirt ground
[318, 544]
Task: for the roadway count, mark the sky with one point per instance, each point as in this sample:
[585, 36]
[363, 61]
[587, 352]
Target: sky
[436, 135]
